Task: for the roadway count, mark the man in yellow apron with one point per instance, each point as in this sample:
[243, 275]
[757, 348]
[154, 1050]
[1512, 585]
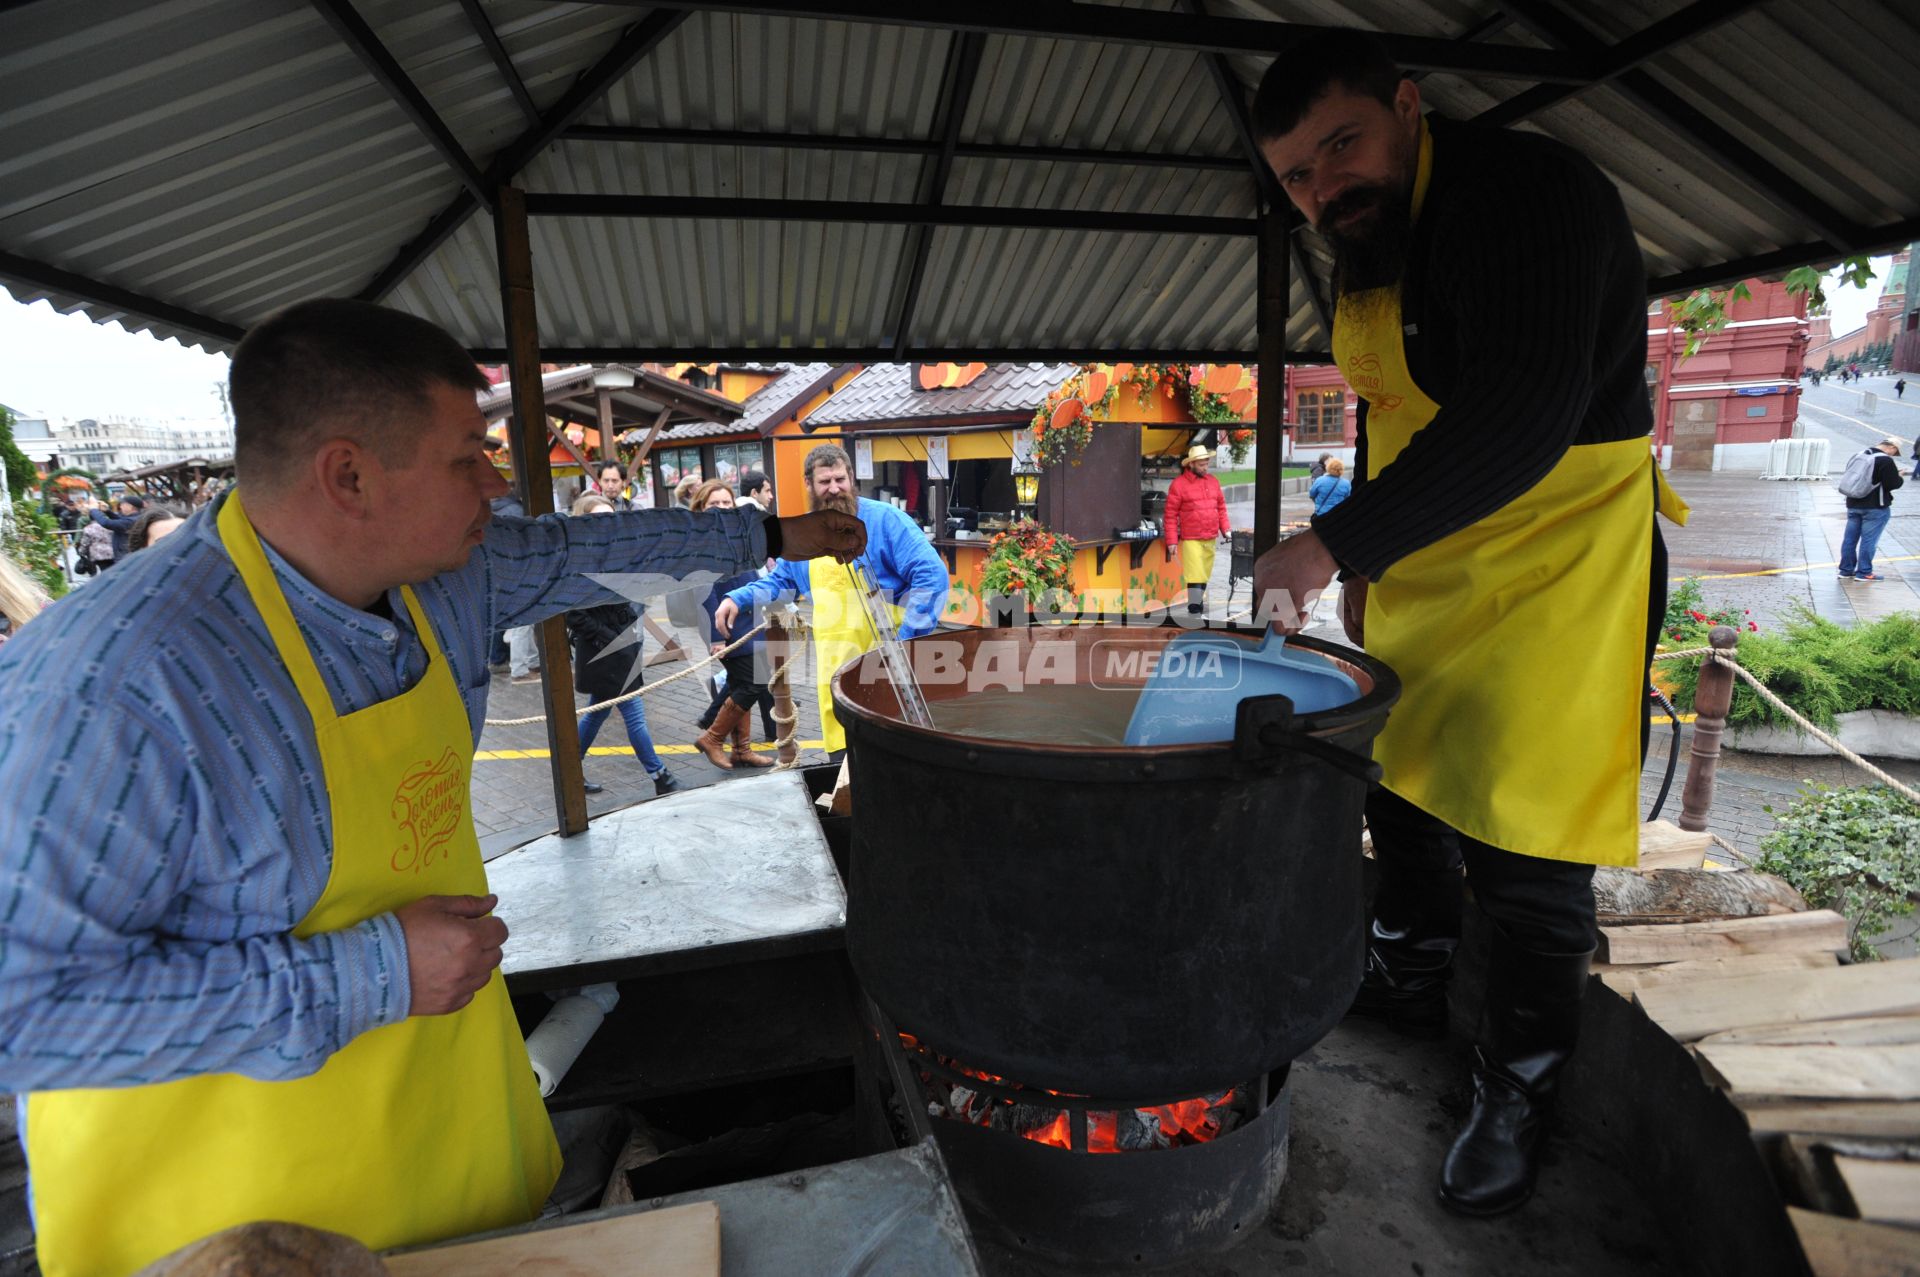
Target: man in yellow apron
[247, 949]
[908, 571]
[1499, 552]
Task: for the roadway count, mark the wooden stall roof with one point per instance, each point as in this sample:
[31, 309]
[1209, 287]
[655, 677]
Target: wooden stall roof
[867, 180]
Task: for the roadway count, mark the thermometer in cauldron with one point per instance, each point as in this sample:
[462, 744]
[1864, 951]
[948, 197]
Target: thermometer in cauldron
[906, 689]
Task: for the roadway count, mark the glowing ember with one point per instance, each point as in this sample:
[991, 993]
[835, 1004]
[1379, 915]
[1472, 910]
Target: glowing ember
[1175, 1125]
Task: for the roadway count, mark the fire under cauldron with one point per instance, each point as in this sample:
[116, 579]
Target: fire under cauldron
[1096, 949]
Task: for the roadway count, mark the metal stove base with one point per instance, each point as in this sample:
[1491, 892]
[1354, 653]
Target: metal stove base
[1106, 1211]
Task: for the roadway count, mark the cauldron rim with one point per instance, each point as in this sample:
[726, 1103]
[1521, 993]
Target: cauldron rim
[850, 701]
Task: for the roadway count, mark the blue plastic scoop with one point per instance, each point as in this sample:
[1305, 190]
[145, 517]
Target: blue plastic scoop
[1202, 676]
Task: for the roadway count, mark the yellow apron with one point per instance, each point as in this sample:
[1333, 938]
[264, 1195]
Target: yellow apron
[841, 632]
[413, 1132]
[1196, 561]
[1521, 639]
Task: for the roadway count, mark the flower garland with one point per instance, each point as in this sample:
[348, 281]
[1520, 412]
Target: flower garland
[1063, 425]
[1031, 560]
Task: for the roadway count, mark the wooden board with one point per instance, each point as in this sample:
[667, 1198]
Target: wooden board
[681, 1241]
[1891, 1120]
[1811, 932]
[1815, 1072]
[1885, 1030]
[1624, 980]
[1692, 1011]
[1625, 896]
[1664, 845]
[1884, 1192]
[1849, 1248]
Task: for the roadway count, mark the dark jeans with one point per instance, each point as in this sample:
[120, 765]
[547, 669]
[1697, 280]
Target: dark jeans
[1861, 539]
[1543, 906]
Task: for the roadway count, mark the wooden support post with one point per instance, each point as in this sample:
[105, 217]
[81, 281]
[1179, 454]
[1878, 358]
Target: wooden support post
[1711, 700]
[1275, 288]
[778, 643]
[603, 408]
[534, 476]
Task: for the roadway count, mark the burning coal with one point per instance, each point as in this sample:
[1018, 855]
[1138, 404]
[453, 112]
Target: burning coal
[1001, 1105]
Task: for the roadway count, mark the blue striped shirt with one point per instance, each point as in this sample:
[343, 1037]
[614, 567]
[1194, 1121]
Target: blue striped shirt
[164, 823]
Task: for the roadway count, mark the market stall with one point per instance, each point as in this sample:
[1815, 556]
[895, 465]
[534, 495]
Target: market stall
[1086, 451]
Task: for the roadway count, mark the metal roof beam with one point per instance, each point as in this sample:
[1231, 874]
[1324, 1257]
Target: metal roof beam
[1879, 239]
[1666, 106]
[884, 354]
[1233, 97]
[38, 275]
[1045, 219]
[895, 146]
[636, 43]
[373, 55]
[477, 17]
[1668, 33]
[1107, 24]
[956, 90]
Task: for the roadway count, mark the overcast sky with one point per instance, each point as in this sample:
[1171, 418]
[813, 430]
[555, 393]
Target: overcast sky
[66, 366]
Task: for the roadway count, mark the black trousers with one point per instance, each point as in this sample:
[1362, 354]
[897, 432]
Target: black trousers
[1545, 906]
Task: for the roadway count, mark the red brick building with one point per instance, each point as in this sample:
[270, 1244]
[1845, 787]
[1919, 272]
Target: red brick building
[1718, 410]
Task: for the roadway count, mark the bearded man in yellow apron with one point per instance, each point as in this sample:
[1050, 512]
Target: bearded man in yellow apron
[1499, 552]
[247, 946]
[907, 570]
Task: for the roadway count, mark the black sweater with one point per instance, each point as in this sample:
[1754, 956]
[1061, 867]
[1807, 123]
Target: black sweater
[1526, 302]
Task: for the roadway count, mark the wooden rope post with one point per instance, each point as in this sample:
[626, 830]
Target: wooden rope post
[783, 713]
[1711, 701]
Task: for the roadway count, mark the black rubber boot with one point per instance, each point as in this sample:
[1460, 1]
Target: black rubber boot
[1408, 968]
[1532, 1024]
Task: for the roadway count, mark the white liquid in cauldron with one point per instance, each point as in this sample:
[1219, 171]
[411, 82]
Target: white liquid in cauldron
[1041, 714]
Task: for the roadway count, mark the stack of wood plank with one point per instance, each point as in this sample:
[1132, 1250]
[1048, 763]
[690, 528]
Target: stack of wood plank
[1822, 1058]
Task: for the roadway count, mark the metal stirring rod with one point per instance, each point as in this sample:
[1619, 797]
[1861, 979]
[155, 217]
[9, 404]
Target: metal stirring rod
[906, 688]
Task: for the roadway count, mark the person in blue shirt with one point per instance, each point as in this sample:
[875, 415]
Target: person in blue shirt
[905, 568]
[237, 837]
[1331, 488]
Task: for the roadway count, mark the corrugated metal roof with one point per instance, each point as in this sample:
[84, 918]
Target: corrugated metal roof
[766, 407]
[190, 165]
[888, 392]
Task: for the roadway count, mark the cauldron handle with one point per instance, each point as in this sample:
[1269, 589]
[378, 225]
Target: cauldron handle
[1263, 729]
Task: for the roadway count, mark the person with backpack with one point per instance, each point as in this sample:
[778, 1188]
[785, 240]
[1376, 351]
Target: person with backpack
[1867, 483]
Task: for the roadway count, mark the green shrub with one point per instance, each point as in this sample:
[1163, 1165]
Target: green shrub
[1819, 668]
[1855, 851]
[34, 543]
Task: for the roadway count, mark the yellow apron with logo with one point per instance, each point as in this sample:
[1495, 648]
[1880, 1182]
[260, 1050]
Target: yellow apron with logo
[411, 1133]
[841, 632]
[1521, 639]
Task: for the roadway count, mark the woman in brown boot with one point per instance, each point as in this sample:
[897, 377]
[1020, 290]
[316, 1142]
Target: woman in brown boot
[733, 724]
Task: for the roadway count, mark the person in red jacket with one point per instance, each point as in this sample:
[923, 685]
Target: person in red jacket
[1195, 518]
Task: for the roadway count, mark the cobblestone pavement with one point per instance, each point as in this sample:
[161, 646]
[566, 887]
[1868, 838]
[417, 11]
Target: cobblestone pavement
[513, 797]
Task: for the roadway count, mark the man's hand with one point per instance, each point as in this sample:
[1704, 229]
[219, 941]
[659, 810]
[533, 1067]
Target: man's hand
[452, 949]
[1288, 579]
[1353, 609]
[724, 616]
[834, 532]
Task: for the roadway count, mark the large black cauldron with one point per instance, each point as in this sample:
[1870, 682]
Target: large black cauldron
[1108, 921]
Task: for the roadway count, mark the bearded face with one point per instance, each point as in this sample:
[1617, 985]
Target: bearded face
[1348, 165]
[831, 488]
[1369, 228]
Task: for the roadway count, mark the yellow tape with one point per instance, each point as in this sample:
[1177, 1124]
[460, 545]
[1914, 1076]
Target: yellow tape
[514, 755]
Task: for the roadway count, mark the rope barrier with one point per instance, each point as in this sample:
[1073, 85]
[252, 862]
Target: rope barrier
[1767, 694]
[796, 630]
